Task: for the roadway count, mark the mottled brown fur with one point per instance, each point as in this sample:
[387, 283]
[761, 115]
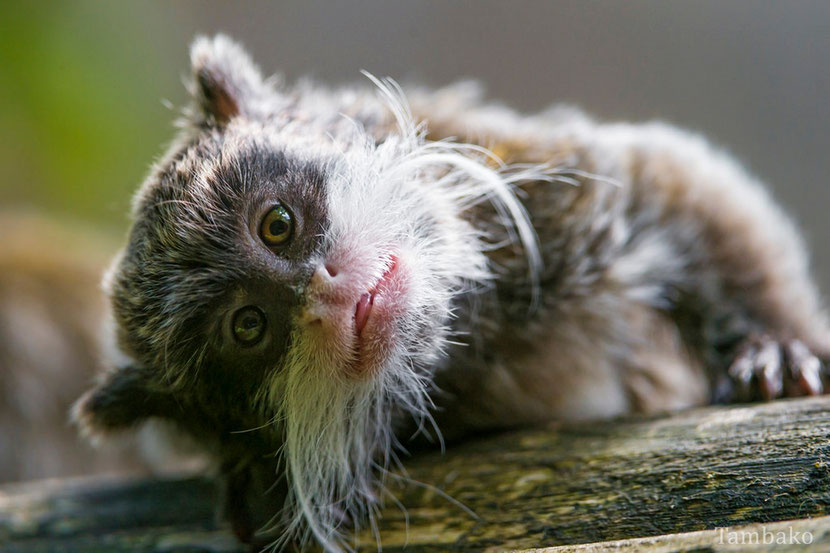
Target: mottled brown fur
[732, 277]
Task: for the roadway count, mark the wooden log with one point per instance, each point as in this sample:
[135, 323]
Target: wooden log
[559, 485]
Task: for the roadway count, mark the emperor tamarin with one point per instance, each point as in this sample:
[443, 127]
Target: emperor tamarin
[314, 273]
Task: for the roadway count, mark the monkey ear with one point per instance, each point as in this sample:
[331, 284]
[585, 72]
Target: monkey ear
[225, 81]
[122, 399]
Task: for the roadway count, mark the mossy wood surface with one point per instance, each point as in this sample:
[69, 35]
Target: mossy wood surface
[554, 486]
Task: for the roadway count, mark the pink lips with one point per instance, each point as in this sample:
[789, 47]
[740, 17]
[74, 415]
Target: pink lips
[363, 308]
[362, 311]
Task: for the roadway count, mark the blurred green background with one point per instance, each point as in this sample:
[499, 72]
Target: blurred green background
[86, 87]
[80, 110]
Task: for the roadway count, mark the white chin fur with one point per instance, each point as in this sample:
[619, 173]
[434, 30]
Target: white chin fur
[339, 437]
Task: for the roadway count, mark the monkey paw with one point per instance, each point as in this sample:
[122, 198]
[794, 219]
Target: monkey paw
[765, 369]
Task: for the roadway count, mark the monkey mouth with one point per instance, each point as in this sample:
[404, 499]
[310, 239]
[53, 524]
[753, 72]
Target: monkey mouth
[354, 319]
[376, 316]
[363, 308]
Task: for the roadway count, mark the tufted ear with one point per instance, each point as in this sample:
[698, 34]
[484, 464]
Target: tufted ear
[225, 81]
[122, 399]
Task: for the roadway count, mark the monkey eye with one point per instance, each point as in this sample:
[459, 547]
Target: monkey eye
[276, 227]
[248, 325]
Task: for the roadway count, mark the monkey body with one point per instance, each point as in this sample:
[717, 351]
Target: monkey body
[665, 265]
[311, 273]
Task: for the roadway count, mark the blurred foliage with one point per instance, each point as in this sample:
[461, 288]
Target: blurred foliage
[81, 112]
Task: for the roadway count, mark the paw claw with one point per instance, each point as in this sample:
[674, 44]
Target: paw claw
[765, 368]
[769, 370]
[806, 368]
[742, 369]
